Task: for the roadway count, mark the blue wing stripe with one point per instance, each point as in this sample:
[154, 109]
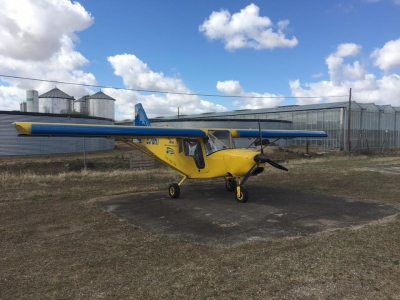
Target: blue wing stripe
[103, 131]
[280, 133]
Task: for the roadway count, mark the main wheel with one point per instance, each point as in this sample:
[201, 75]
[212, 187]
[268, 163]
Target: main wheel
[243, 195]
[230, 184]
[174, 190]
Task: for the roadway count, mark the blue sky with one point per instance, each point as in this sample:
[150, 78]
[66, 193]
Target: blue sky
[307, 50]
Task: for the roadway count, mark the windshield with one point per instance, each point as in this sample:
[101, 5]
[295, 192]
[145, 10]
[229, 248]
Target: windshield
[218, 140]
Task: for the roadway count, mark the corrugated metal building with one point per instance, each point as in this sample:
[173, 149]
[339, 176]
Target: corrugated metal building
[372, 126]
[12, 144]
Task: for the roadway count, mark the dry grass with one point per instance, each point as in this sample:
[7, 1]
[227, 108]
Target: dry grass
[57, 244]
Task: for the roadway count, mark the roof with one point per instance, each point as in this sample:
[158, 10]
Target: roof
[56, 93]
[101, 95]
[387, 108]
[83, 99]
[288, 108]
[369, 106]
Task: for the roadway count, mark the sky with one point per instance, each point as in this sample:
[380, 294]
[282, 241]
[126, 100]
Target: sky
[211, 56]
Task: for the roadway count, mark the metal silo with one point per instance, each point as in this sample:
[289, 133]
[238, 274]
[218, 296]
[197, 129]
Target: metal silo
[81, 105]
[22, 107]
[55, 102]
[101, 105]
[32, 101]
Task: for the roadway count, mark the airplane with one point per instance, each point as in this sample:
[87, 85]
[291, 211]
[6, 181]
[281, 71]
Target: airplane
[194, 153]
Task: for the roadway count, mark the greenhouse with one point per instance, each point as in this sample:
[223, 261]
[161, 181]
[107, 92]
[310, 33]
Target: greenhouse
[371, 126]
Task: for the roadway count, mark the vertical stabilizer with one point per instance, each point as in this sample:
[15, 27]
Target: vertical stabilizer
[140, 116]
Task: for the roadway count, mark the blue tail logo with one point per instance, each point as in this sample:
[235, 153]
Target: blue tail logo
[140, 116]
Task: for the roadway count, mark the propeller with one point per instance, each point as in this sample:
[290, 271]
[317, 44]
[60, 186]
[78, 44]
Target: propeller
[261, 158]
[264, 158]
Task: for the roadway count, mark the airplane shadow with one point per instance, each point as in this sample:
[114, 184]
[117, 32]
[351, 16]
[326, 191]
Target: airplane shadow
[210, 215]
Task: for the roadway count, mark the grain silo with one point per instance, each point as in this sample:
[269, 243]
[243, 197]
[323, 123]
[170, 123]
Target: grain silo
[55, 102]
[22, 107]
[102, 106]
[32, 101]
[81, 105]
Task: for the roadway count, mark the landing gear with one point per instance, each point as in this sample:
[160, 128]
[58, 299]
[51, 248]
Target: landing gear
[230, 184]
[174, 190]
[241, 194]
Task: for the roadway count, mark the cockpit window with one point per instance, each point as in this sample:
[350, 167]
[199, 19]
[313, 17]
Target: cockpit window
[218, 140]
[192, 148]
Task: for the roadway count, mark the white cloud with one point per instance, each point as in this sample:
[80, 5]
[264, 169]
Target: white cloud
[315, 91]
[137, 75]
[317, 75]
[30, 49]
[32, 29]
[248, 100]
[387, 57]
[230, 87]
[365, 86]
[246, 29]
[258, 100]
[13, 95]
[339, 71]
[348, 49]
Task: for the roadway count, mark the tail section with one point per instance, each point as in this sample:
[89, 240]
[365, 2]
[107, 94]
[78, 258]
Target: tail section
[140, 116]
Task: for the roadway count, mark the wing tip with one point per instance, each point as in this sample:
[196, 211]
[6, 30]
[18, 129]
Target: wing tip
[22, 128]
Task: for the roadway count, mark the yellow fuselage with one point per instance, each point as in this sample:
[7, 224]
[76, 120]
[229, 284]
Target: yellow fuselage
[223, 163]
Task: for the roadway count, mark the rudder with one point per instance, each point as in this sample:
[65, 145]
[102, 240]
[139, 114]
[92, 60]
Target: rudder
[140, 116]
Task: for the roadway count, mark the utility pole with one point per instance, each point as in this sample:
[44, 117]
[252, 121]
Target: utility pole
[349, 125]
[84, 155]
[178, 112]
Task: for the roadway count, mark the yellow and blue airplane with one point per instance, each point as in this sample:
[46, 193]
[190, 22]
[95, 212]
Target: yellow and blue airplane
[194, 153]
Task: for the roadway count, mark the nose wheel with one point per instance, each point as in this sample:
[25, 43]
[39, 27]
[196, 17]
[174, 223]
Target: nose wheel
[241, 194]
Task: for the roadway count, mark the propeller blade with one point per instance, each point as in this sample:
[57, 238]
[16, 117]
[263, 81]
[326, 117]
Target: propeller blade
[276, 165]
[264, 158]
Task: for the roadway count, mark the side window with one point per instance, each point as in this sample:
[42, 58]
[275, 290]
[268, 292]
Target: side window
[193, 148]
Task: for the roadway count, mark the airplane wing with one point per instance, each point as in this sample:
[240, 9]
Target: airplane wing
[253, 133]
[112, 131]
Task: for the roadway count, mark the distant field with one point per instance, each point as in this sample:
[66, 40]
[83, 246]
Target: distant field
[57, 243]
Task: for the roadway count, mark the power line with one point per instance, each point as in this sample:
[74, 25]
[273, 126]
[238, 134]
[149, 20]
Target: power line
[166, 92]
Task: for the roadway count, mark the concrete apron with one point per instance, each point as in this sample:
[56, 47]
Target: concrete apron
[210, 215]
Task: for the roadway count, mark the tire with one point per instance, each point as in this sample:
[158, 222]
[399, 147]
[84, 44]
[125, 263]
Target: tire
[243, 195]
[230, 184]
[174, 190]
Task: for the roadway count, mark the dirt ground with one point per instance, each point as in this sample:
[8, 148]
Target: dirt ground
[58, 243]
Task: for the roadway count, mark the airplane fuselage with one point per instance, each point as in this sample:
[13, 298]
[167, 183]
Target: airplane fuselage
[196, 163]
